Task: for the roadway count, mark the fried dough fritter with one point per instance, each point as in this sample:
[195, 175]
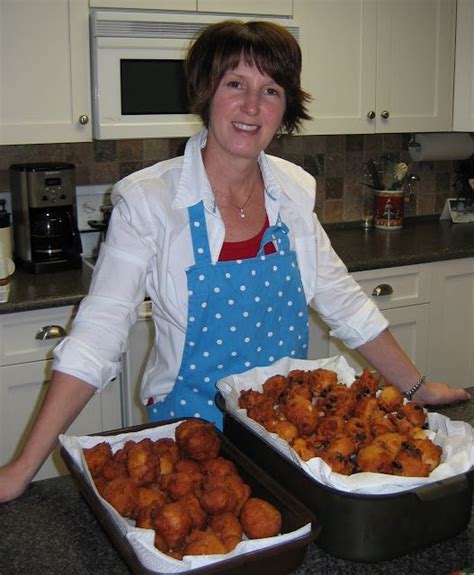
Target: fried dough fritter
[192, 502]
[260, 519]
[364, 427]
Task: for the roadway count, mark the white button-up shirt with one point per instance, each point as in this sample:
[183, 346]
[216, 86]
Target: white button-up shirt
[148, 248]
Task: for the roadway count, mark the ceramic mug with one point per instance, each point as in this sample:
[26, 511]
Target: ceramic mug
[388, 209]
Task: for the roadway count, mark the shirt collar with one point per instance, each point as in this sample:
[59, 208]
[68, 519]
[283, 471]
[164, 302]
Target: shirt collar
[194, 184]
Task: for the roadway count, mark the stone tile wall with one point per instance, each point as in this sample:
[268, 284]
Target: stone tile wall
[337, 163]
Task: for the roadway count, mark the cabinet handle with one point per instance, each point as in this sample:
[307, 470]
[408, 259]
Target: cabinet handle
[51, 332]
[371, 114]
[382, 289]
[83, 119]
[385, 114]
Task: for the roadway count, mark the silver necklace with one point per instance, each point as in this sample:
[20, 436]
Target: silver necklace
[241, 208]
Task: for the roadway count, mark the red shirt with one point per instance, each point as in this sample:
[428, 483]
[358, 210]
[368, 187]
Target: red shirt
[232, 251]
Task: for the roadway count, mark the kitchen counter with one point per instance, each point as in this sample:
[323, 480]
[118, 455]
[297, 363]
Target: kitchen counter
[30, 291]
[420, 240]
[50, 530]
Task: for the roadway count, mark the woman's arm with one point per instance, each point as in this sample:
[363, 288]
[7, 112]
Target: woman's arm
[65, 399]
[389, 359]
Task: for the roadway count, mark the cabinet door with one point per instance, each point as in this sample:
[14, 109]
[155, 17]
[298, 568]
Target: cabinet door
[415, 65]
[451, 339]
[463, 120]
[410, 327]
[396, 287]
[338, 42]
[277, 7]
[44, 71]
[145, 4]
[22, 388]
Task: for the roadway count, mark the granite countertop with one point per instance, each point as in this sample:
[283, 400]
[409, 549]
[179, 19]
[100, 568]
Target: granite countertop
[50, 530]
[420, 240]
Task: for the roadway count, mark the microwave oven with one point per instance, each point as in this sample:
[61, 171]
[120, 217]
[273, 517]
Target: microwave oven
[138, 75]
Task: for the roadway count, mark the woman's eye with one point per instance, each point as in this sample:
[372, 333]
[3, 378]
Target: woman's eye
[273, 92]
[233, 84]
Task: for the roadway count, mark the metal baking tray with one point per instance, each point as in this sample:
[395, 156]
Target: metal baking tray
[360, 527]
[279, 559]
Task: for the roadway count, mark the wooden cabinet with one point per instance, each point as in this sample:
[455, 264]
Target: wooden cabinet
[44, 72]
[451, 336]
[463, 114]
[25, 370]
[377, 65]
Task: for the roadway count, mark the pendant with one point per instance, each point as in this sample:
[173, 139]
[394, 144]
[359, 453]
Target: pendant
[242, 215]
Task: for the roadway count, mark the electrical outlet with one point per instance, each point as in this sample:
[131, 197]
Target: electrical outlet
[89, 200]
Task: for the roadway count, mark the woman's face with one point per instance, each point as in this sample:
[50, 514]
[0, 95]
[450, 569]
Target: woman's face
[246, 111]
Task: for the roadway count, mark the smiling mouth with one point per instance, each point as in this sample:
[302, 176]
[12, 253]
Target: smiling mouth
[245, 127]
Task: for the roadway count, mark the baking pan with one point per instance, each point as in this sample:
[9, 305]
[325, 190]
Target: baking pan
[276, 560]
[361, 527]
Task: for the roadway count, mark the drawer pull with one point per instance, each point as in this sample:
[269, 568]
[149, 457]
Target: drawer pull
[382, 289]
[51, 332]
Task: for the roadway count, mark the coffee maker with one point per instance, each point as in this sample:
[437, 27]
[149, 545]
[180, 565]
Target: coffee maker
[46, 237]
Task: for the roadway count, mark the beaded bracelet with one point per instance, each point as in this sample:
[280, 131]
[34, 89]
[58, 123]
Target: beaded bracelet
[411, 392]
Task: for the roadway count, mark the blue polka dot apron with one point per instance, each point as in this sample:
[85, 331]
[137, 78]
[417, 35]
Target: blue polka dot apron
[241, 314]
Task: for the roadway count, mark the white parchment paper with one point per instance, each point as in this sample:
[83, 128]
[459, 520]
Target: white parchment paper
[142, 540]
[456, 438]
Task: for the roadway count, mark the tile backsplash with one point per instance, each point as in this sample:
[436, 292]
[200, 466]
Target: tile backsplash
[337, 163]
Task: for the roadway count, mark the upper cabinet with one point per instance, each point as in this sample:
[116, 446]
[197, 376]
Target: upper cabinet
[44, 71]
[463, 120]
[145, 4]
[276, 7]
[378, 65]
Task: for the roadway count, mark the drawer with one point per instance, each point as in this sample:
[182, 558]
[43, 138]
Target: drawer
[396, 287]
[21, 334]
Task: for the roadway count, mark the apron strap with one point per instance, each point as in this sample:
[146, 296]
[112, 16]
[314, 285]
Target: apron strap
[277, 234]
[197, 222]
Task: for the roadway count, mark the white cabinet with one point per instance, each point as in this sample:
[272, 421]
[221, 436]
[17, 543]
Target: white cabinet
[463, 114]
[403, 294]
[25, 370]
[145, 4]
[273, 7]
[377, 65]
[44, 71]
[430, 311]
[451, 337]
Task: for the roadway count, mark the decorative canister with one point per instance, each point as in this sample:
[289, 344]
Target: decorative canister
[388, 209]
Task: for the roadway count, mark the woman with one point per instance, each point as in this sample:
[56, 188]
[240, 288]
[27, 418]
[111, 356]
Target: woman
[225, 242]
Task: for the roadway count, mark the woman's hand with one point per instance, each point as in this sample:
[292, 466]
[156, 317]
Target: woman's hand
[13, 481]
[432, 393]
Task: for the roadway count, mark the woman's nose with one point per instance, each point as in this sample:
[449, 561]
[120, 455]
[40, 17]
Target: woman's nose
[251, 103]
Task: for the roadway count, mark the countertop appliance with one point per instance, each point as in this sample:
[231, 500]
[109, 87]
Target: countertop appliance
[46, 237]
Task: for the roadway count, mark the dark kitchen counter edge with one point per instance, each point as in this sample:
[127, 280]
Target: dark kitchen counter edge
[421, 240]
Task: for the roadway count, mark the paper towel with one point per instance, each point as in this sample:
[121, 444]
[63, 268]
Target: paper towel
[449, 146]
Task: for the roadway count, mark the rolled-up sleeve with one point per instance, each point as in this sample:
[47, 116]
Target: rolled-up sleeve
[351, 316]
[100, 331]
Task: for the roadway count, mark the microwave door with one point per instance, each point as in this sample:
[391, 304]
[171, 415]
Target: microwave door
[141, 91]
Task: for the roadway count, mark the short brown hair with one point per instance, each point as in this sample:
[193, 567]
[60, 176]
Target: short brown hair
[270, 47]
